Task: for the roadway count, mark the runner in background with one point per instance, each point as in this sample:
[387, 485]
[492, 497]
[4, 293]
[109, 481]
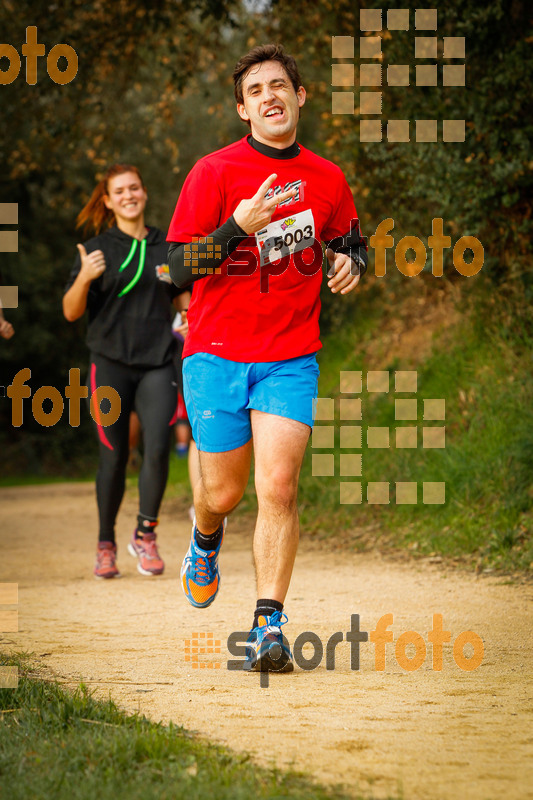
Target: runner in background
[121, 278]
[182, 429]
[185, 444]
[6, 328]
[134, 439]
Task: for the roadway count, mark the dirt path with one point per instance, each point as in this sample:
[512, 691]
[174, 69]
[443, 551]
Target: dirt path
[431, 735]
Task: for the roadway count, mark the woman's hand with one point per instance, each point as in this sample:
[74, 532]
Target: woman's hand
[75, 299]
[92, 264]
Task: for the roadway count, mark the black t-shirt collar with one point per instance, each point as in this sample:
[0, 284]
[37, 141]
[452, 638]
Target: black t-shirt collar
[273, 152]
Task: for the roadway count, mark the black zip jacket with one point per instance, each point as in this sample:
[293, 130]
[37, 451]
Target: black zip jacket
[129, 305]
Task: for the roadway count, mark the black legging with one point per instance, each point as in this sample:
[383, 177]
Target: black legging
[152, 393]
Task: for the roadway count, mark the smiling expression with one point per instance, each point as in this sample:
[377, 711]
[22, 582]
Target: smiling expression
[270, 104]
[126, 196]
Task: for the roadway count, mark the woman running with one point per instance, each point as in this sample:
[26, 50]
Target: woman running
[121, 278]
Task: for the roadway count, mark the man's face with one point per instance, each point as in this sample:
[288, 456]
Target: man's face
[271, 104]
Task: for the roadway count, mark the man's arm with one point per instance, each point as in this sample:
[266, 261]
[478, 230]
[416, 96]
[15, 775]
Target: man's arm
[343, 273]
[210, 252]
[250, 216]
[348, 259]
[353, 245]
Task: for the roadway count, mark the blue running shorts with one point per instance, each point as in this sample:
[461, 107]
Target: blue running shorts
[220, 393]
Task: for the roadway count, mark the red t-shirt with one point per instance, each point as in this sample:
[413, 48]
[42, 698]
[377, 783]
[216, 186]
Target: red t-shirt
[255, 311]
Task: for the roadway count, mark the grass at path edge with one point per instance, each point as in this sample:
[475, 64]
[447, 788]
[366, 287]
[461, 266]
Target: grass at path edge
[69, 745]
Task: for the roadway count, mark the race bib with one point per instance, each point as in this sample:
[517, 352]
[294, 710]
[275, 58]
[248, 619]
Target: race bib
[285, 237]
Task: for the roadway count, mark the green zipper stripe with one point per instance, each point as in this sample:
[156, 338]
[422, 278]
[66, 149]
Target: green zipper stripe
[140, 268]
[130, 255]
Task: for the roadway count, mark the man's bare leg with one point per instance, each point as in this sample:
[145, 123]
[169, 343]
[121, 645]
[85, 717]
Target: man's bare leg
[193, 463]
[223, 479]
[221, 485]
[279, 447]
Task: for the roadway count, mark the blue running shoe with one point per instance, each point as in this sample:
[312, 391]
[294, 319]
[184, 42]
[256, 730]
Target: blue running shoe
[199, 574]
[265, 649]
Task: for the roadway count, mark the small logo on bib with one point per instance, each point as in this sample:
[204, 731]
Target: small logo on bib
[287, 223]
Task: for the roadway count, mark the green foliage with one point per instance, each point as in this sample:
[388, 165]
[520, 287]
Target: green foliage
[481, 187]
[154, 88]
[134, 63]
[487, 462]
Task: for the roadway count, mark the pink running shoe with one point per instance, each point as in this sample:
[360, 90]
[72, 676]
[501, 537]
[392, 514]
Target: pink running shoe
[145, 550]
[106, 557]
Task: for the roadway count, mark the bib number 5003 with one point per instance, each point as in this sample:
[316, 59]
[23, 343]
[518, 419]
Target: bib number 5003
[285, 237]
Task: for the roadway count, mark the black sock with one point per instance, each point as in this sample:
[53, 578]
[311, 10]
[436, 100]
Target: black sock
[145, 525]
[211, 540]
[265, 608]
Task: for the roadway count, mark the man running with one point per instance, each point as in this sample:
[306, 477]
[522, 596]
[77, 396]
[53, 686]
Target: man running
[246, 231]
